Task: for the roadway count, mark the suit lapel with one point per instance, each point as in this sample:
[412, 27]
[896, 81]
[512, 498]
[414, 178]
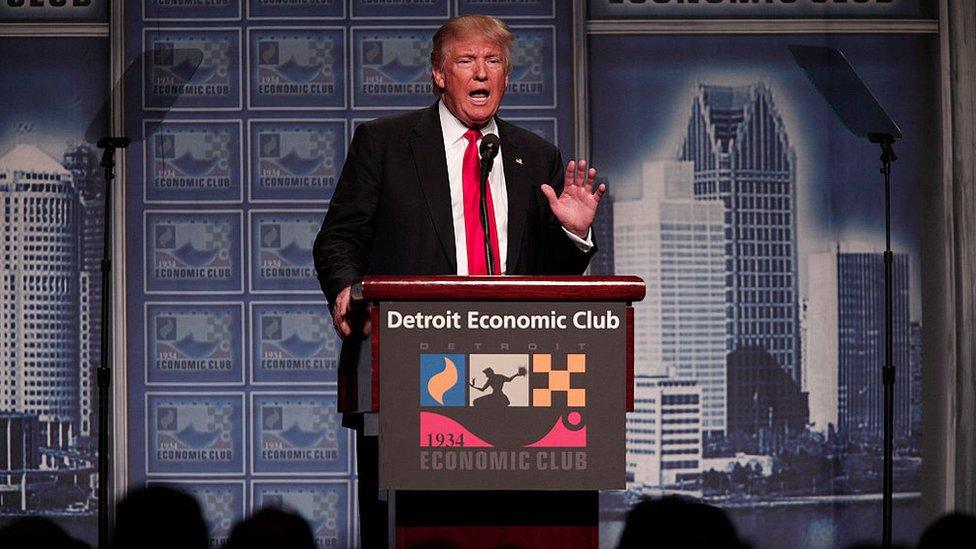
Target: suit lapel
[427, 146]
[519, 193]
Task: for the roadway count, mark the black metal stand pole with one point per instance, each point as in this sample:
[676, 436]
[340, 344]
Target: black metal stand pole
[104, 373]
[888, 370]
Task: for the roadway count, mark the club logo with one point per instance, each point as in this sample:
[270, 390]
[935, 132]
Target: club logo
[499, 386]
[324, 505]
[193, 70]
[296, 161]
[293, 343]
[509, 8]
[193, 253]
[498, 381]
[298, 434]
[402, 9]
[194, 343]
[393, 68]
[441, 380]
[297, 69]
[222, 505]
[282, 246]
[531, 81]
[195, 433]
[559, 381]
[543, 127]
[191, 9]
[193, 162]
[296, 9]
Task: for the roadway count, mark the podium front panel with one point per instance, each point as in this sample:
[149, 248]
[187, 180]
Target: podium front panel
[502, 396]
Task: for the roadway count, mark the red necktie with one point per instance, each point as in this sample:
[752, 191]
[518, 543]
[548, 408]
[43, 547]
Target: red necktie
[473, 234]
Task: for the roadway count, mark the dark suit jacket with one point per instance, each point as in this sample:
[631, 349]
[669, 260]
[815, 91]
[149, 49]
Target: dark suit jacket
[391, 210]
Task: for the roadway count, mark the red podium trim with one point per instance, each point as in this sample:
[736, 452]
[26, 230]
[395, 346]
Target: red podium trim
[503, 288]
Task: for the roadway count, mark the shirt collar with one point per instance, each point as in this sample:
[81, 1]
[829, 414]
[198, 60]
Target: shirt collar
[453, 129]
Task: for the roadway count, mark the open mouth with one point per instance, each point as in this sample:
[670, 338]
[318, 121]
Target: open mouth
[479, 95]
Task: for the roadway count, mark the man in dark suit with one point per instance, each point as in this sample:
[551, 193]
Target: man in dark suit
[406, 204]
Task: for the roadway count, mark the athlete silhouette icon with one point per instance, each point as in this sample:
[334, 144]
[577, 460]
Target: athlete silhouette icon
[496, 398]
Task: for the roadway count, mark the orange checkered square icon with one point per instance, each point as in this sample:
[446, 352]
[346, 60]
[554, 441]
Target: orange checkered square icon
[559, 380]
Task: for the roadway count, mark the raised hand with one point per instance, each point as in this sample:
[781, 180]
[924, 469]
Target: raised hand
[576, 207]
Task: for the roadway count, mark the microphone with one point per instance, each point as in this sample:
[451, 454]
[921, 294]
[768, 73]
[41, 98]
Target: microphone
[488, 151]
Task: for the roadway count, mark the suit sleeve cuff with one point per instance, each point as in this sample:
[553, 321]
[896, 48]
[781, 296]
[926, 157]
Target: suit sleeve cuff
[584, 245]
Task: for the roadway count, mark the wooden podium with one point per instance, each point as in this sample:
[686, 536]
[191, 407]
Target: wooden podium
[501, 405]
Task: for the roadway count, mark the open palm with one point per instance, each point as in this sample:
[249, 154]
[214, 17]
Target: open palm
[576, 207]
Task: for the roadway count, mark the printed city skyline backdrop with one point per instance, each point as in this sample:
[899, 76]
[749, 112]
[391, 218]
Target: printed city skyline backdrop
[756, 221]
[51, 190]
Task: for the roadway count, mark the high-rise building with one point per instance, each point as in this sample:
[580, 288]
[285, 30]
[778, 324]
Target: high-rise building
[39, 331]
[847, 336]
[820, 376]
[677, 245]
[861, 338]
[664, 437]
[82, 162]
[602, 263]
[742, 157]
[915, 381]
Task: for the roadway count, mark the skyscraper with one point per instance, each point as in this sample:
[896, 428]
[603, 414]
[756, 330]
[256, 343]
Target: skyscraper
[915, 382]
[861, 343]
[820, 379]
[677, 245]
[742, 157]
[39, 299]
[82, 162]
[602, 263]
[847, 318]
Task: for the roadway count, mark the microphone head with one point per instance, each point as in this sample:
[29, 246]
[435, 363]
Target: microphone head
[489, 147]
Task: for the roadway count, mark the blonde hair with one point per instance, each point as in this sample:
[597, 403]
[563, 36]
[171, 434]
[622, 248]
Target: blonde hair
[485, 26]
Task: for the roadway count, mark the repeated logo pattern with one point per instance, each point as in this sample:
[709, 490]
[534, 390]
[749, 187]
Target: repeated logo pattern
[199, 432]
[297, 68]
[194, 343]
[192, 70]
[293, 343]
[193, 252]
[276, 84]
[213, 10]
[296, 435]
[198, 162]
[325, 505]
[296, 160]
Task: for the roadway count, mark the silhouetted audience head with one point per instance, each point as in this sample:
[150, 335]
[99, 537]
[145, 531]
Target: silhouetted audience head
[955, 530]
[271, 528]
[678, 523]
[159, 517]
[35, 533]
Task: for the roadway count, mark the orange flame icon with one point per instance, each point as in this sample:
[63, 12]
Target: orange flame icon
[441, 382]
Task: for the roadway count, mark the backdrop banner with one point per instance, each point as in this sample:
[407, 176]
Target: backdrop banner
[759, 220]
[241, 116]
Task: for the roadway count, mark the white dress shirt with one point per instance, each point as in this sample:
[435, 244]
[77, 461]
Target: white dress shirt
[454, 146]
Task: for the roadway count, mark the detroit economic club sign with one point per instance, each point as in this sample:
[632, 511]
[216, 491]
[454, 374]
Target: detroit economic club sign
[502, 396]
